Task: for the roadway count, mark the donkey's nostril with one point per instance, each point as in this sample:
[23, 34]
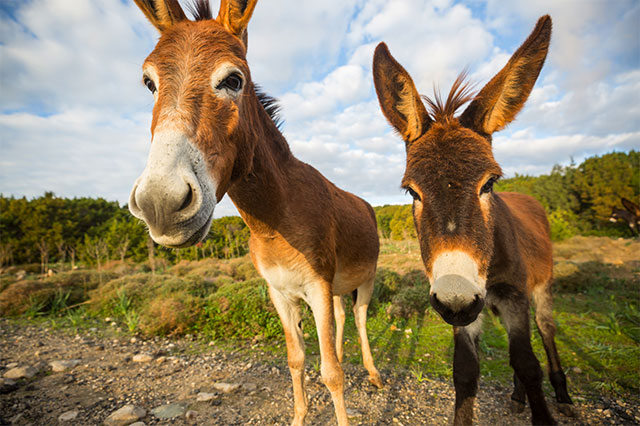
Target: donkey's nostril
[187, 199]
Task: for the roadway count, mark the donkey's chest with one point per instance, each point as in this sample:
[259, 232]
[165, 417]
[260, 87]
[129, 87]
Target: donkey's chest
[291, 282]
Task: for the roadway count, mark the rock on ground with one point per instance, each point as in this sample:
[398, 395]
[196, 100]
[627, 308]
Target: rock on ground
[125, 415]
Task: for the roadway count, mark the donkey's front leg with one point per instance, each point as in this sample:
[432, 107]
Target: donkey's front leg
[513, 307]
[289, 312]
[466, 370]
[320, 299]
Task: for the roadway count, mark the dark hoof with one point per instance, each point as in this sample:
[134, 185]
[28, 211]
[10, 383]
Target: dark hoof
[517, 406]
[566, 409]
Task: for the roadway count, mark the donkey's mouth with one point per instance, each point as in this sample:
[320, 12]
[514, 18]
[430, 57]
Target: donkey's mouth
[195, 238]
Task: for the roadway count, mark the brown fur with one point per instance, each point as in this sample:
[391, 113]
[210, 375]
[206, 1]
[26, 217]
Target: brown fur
[302, 225]
[449, 161]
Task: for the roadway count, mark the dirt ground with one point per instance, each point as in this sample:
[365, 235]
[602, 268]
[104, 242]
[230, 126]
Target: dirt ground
[109, 376]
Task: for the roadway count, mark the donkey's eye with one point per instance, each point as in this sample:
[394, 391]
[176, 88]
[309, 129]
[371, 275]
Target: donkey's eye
[150, 84]
[488, 187]
[413, 193]
[232, 82]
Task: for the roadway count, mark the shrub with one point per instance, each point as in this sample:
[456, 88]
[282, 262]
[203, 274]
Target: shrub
[386, 284]
[174, 314]
[563, 225]
[409, 301]
[241, 309]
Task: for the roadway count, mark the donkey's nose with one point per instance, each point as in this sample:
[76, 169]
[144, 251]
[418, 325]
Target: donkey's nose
[456, 299]
[165, 201]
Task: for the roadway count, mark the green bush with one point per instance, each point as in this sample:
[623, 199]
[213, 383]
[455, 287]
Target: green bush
[563, 225]
[386, 284]
[409, 301]
[240, 309]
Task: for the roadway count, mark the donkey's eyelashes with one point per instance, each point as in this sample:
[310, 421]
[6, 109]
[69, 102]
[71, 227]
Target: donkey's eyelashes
[413, 193]
[150, 84]
[488, 186]
[228, 80]
[232, 82]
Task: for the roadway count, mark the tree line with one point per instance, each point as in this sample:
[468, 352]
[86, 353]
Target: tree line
[578, 198]
[47, 229]
[50, 229]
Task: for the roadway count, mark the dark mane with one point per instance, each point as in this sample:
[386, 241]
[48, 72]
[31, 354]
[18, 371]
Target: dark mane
[270, 105]
[200, 10]
[461, 92]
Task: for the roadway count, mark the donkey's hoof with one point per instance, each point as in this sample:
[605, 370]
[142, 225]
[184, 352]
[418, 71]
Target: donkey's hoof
[517, 406]
[566, 409]
[376, 381]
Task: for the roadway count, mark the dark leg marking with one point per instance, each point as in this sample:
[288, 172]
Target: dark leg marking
[513, 307]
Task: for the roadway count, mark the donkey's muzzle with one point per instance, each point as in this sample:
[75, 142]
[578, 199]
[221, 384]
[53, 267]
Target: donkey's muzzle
[175, 195]
[456, 299]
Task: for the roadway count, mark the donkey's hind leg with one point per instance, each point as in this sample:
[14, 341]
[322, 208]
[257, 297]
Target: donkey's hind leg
[338, 313]
[547, 329]
[519, 395]
[361, 303]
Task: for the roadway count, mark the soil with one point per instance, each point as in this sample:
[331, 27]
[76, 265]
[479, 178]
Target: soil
[108, 378]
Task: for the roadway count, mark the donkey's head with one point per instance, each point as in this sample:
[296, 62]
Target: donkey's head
[199, 78]
[450, 168]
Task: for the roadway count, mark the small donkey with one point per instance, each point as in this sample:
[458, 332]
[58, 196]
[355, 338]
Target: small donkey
[478, 247]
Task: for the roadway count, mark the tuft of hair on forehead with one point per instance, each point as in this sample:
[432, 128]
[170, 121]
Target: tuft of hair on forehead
[462, 91]
[270, 105]
[200, 10]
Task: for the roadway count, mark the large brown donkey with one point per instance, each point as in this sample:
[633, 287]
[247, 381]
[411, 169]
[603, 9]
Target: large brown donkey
[478, 247]
[213, 133]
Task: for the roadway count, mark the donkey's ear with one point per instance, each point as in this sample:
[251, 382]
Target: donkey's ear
[504, 96]
[399, 100]
[631, 207]
[234, 15]
[162, 13]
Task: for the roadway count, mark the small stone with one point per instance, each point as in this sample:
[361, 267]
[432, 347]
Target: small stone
[11, 365]
[577, 370]
[69, 415]
[191, 415]
[7, 385]
[21, 372]
[137, 424]
[125, 416]
[168, 411]
[161, 359]
[133, 340]
[204, 396]
[63, 365]
[353, 413]
[108, 319]
[226, 387]
[249, 387]
[142, 358]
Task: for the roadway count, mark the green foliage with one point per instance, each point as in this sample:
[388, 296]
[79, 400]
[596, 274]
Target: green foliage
[50, 230]
[600, 182]
[563, 225]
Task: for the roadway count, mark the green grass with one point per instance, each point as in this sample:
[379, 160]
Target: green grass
[596, 309]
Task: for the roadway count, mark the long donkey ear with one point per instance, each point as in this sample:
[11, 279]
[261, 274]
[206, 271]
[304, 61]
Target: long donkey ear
[234, 15]
[631, 207]
[503, 97]
[399, 100]
[162, 13]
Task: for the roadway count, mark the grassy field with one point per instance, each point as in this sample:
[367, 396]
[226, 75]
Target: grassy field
[596, 308]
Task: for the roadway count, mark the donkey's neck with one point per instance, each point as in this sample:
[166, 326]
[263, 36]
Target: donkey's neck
[260, 196]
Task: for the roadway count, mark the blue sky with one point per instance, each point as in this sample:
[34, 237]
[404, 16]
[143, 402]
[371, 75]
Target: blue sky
[74, 117]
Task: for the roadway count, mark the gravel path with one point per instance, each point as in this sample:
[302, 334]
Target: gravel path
[207, 385]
